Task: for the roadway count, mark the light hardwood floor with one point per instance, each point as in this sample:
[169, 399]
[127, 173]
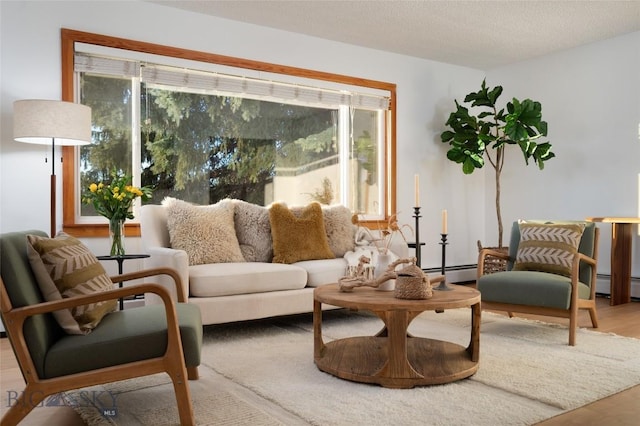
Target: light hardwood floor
[620, 409]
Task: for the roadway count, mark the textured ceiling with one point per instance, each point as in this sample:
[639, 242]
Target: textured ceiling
[480, 34]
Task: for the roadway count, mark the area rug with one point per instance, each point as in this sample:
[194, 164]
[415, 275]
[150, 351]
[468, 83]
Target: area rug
[262, 373]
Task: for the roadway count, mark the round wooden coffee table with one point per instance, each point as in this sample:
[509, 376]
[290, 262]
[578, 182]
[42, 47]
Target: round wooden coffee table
[393, 358]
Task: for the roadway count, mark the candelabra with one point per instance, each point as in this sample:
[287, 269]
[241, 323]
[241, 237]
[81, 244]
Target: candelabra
[416, 214]
[443, 284]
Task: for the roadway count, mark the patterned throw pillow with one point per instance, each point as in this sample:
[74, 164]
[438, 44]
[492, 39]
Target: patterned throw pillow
[206, 233]
[297, 238]
[548, 247]
[64, 267]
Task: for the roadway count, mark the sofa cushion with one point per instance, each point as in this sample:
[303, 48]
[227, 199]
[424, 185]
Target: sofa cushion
[206, 233]
[253, 231]
[321, 272]
[64, 267]
[224, 279]
[548, 247]
[297, 238]
[338, 226]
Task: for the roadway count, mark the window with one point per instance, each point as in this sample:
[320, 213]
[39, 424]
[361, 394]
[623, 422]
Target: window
[201, 134]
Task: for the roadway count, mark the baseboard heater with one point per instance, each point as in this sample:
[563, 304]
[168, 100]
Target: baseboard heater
[456, 273]
[603, 286]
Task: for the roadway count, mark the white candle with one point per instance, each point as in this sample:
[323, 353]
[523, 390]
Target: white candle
[416, 184]
[444, 221]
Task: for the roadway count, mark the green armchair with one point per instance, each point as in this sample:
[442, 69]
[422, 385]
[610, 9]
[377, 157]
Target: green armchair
[126, 344]
[544, 293]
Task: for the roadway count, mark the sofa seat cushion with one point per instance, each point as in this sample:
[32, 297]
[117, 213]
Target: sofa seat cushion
[531, 288]
[226, 279]
[130, 335]
[326, 271]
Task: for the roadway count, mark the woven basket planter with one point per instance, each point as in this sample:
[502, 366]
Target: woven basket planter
[494, 264]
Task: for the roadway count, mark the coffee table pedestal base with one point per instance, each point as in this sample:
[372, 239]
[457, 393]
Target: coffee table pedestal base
[366, 360]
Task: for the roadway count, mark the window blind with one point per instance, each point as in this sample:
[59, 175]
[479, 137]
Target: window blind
[163, 76]
[103, 65]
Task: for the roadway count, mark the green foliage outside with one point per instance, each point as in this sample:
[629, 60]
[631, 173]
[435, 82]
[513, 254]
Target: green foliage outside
[198, 147]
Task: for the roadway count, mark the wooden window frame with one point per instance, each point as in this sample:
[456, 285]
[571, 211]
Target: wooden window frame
[70, 37]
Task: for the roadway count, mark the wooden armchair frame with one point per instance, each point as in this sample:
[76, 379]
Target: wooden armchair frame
[172, 362]
[576, 302]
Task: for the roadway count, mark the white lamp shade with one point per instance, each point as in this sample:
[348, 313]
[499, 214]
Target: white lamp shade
[38, 121]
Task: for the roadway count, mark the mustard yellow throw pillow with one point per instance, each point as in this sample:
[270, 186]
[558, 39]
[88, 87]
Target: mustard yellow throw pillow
[64, 267]
[548, 247]
[298, 238]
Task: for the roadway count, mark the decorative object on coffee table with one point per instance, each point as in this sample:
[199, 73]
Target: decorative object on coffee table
[412, 283]
[383, 260]
[443, 284]
[416, 215]
[360, 279]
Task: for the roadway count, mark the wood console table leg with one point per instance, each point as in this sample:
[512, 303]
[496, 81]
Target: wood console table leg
[621, 237]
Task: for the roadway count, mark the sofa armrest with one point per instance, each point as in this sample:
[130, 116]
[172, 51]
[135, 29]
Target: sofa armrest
[164, 257]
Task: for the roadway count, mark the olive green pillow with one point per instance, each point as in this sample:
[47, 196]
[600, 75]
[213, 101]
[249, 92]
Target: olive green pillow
[548, 247]
[64, 267]
[297, 238]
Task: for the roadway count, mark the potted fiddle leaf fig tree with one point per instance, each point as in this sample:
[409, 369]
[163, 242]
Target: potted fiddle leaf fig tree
[486, 130]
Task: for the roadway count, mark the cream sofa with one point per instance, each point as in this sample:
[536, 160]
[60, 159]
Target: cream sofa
[253, 287]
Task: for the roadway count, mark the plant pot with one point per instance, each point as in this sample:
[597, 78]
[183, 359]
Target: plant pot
[494, 264]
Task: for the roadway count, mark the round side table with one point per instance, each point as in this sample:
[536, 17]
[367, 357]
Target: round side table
[120, 260]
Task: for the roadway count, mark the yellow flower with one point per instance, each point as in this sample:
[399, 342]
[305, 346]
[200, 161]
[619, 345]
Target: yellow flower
[115, 199]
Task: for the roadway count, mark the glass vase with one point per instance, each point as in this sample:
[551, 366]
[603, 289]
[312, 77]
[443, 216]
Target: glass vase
[116, 234]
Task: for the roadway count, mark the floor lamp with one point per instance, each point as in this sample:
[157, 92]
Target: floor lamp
[51, 122]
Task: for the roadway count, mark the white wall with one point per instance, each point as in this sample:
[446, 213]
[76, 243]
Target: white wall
[30, 68]
[590, 98]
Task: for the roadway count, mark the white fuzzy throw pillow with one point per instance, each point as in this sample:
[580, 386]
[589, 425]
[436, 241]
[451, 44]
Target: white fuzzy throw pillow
[253, 231]
[338, 226]
[206, 233]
